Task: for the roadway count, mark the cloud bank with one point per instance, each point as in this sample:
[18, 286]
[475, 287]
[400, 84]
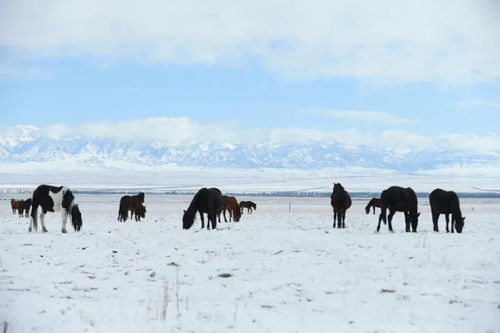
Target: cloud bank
[184, 130]
[450, 42]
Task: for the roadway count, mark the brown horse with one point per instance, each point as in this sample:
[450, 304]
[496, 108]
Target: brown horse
[231, 205]
[134, 204]
[341, 202]
[249, 205]
[374, 202]
[22, 207]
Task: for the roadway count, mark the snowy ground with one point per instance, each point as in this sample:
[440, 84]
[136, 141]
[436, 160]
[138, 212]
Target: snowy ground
[289, 271]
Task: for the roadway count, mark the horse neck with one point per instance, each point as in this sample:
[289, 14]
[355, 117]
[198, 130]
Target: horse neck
[193, 206]
[191, 212]
[457, 213]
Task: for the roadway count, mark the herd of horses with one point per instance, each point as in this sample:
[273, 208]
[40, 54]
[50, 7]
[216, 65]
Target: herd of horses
[212, 202]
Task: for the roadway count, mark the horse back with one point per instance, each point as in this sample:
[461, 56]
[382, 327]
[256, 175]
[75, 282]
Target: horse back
[208, 199]
[399, 198]
[444, 202]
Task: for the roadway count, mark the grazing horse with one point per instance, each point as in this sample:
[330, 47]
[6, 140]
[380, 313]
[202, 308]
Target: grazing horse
[134, 204]
[22, 207]
[340, 201]
[249, 205]
[444, 202]
[206, 200]
[398, 199]
[52, 199]
[374, 202]
[231, 205]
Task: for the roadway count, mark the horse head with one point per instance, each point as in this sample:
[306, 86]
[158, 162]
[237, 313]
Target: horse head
[459, 224]
[236, 215]
[338, 188]
[76, 217]
[188, 219]
[414, 221]
[141, 211]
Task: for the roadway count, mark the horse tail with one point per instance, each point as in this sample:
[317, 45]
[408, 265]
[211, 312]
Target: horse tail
[33, 216]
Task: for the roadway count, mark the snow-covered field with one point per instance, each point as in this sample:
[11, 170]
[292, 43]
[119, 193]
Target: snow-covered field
[288, 271]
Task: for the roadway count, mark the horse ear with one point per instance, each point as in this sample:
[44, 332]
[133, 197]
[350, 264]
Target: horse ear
[184, 211]
[463, 218]
[418, 214]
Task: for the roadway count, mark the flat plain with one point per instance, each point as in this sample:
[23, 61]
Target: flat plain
[283, 268]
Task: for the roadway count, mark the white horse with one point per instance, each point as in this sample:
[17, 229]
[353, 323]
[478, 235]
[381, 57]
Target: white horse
[52, 199]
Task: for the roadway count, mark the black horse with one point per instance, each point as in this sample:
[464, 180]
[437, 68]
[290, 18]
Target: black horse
[446, 202]
[340, 201]
[399, 199]
[207, 200]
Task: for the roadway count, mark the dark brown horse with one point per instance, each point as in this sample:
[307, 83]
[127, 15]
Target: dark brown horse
[22, 207]
[398, 199]
[374, 202]
[206, 200]
[341, 202]
[249, 205]
[444, 202]
[134, 204]
[230, 204]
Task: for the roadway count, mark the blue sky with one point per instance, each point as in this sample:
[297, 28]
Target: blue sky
[431, 71]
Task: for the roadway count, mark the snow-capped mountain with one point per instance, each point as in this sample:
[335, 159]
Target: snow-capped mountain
[22, 144]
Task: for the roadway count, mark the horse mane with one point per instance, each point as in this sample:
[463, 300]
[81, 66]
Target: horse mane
[67, 199]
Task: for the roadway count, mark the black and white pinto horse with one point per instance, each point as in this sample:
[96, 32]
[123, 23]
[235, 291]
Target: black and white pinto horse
[53, 199]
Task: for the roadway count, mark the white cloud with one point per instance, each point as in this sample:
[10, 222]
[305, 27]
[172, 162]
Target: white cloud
[185, 130]
[362, 115]
[158, 128]
[449, 41]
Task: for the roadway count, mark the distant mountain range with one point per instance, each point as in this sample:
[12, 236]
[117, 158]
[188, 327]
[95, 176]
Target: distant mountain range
[22, 144]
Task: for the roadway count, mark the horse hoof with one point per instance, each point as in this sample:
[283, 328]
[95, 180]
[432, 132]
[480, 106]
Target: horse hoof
[29, 229]
[44, 230]
[64, 231]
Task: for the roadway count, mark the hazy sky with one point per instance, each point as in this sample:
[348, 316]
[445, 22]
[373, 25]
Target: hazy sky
[268, 69]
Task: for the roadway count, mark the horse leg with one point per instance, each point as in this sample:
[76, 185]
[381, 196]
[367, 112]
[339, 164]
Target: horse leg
[33, 217]
[203, 222]
[447, 221]
[382, 217]
[391, 215]
[224, 214]
[211, 217]
[64, 217]
[452, 223]
[42, 221]
[435, 219]
[343, 218]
